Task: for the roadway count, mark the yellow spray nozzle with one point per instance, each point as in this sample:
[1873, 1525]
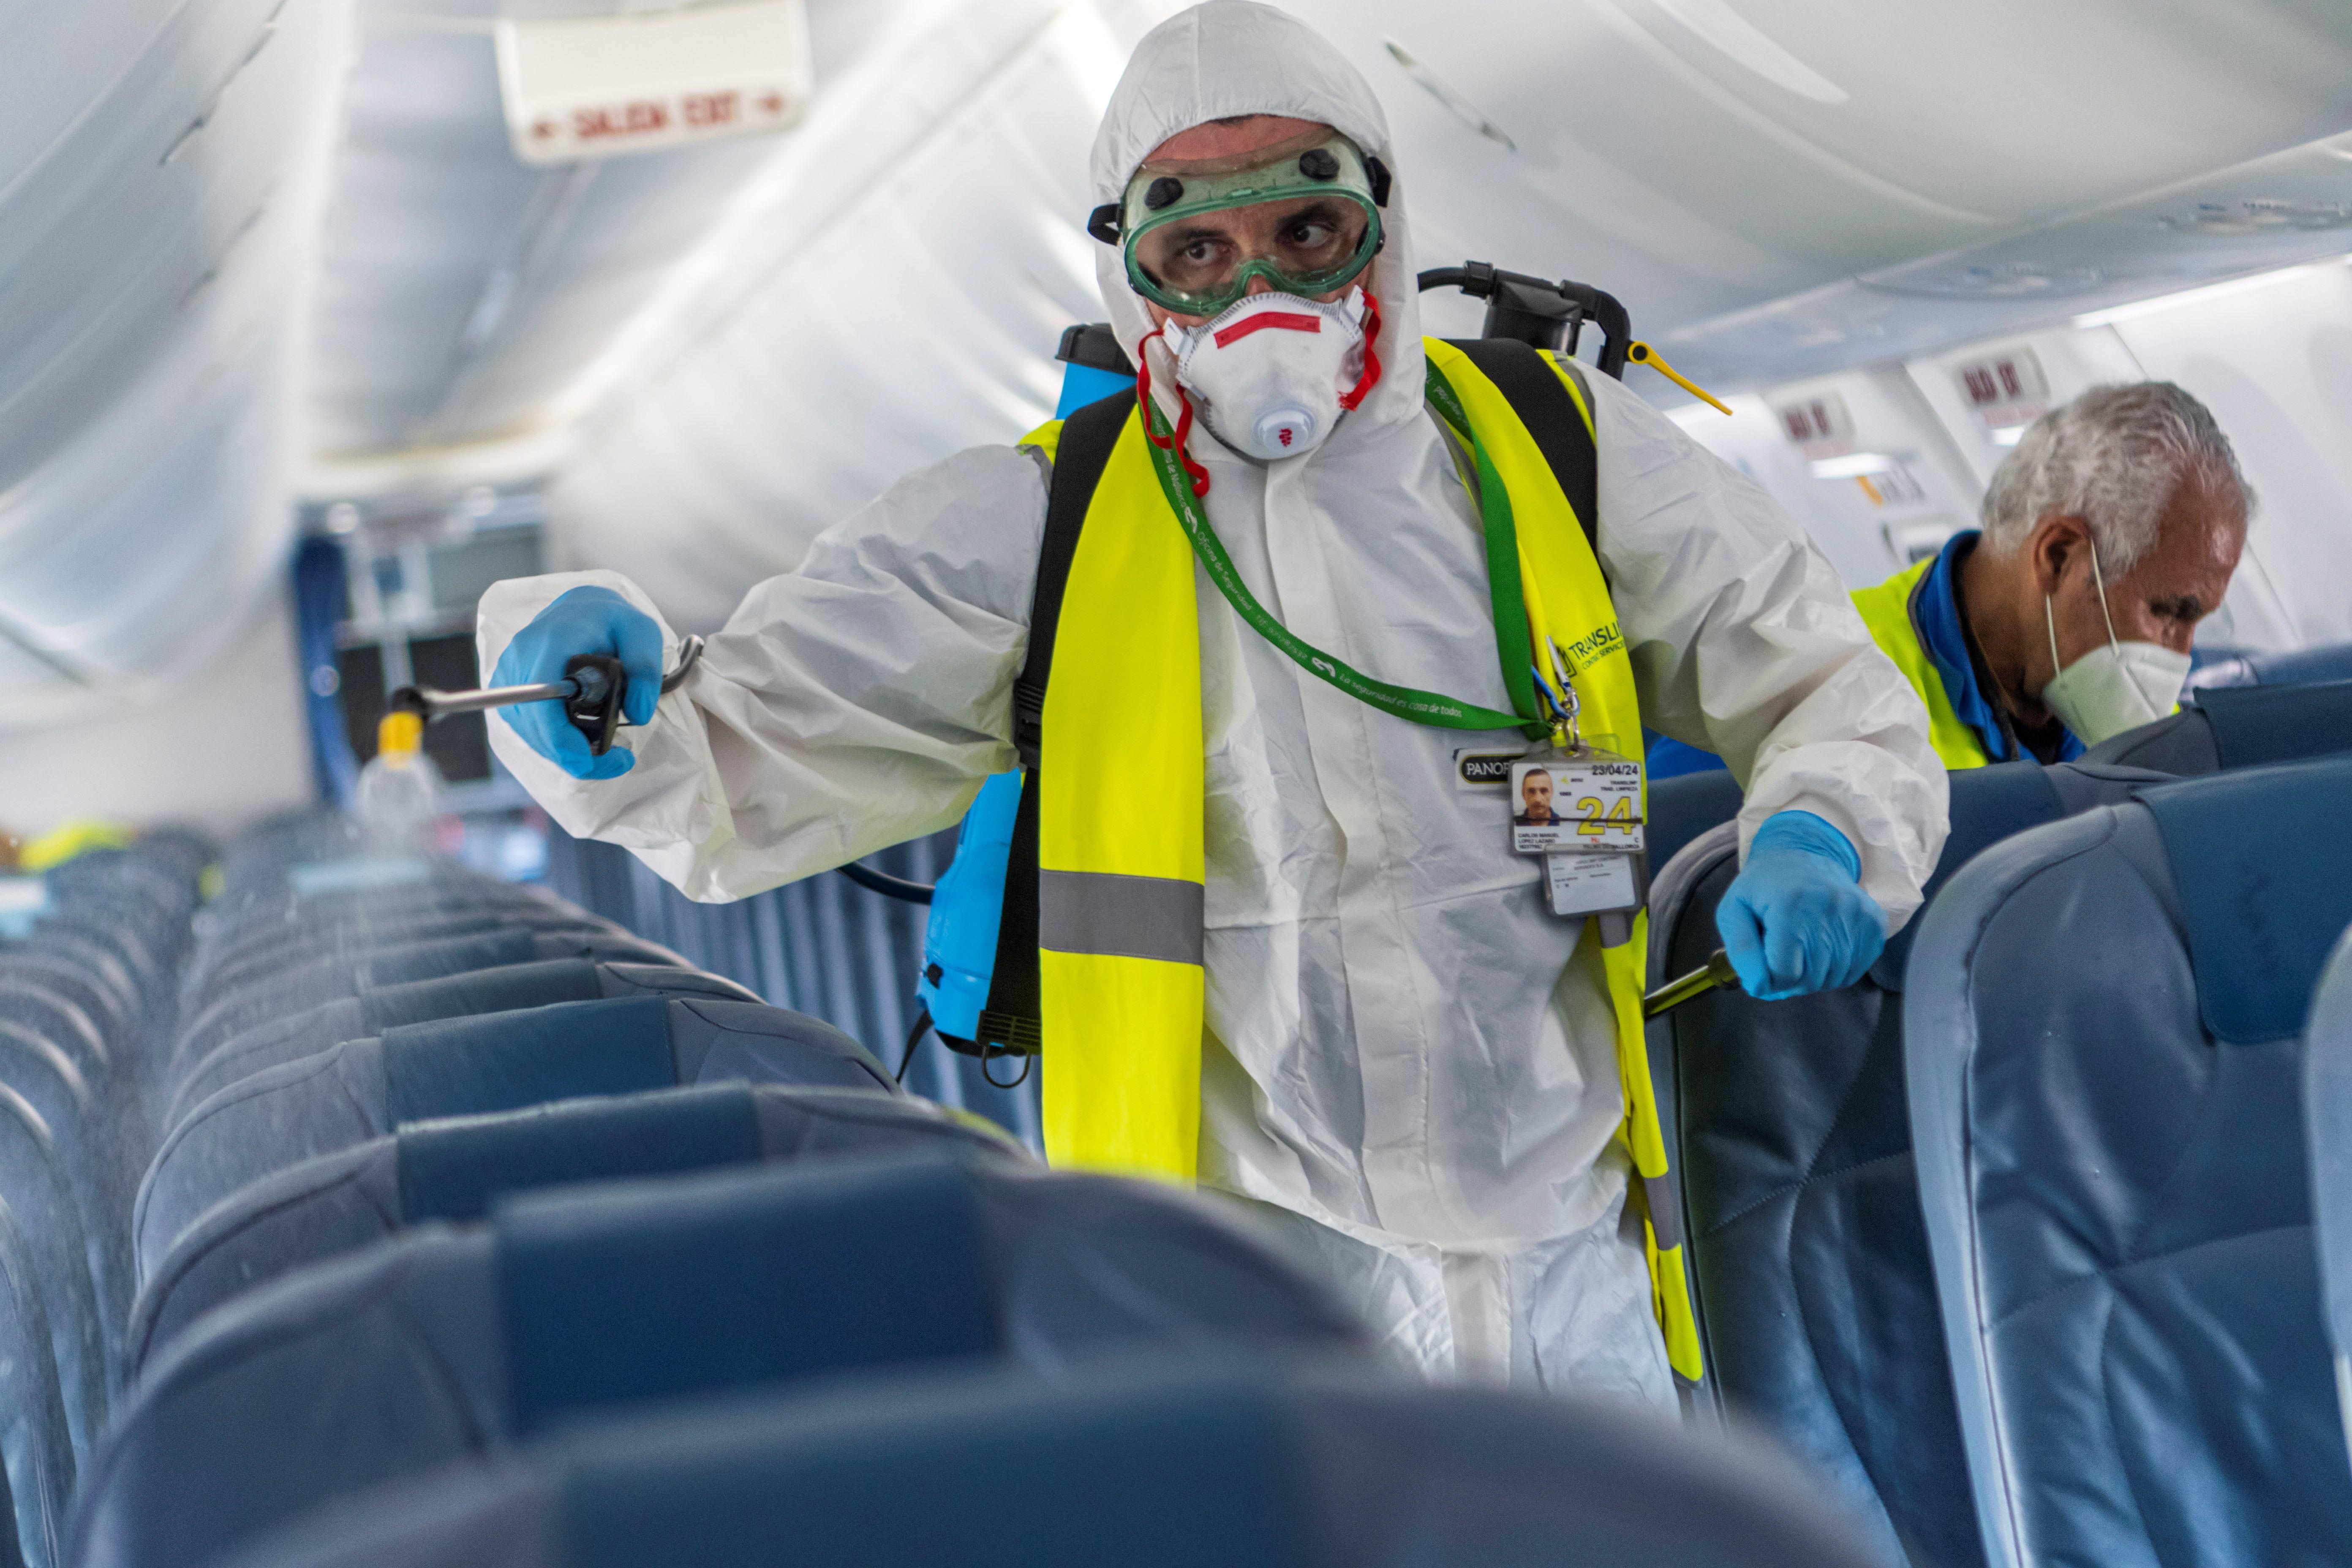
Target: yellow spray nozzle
[398, 737]
[1643, 353]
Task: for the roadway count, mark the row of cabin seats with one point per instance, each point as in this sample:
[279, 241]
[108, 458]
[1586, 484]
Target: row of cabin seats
[477, 1231]
[86, 999]
[2011, 1239]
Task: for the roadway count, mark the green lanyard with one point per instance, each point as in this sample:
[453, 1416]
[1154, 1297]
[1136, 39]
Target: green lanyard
[1513, 645]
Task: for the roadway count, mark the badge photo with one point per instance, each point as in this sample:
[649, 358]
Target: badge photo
[1537, 825]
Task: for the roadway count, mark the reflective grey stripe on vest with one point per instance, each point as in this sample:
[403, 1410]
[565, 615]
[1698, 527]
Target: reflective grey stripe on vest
[1115, 916]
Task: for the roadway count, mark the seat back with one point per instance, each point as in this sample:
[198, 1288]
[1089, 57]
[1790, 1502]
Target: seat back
[2103, 1027]
[315, 982]
[1238, 1464]
[461, 1066]
[575, 1302]
[1815, 1297]
[2296, 666]
[1681, 808]
[456, 1169]
[2328, 1121]
[2238, 727]
[476, 993]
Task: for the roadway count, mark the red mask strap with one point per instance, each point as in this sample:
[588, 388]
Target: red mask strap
[1194, 471]
[1372, 376]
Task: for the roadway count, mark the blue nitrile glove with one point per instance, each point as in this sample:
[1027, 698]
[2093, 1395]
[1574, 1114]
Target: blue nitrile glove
[1795, 919]
[582, 620]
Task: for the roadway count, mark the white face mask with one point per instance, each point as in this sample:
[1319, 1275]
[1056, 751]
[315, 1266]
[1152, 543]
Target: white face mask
[1274, 372]
[2113, 688]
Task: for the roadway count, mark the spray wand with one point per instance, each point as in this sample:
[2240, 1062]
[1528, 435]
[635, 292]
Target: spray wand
[594, 687]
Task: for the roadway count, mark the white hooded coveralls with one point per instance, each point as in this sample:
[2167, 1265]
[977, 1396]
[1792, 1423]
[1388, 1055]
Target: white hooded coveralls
[1403, 1046]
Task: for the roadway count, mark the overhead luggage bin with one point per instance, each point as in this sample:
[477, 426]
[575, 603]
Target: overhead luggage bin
[576, 1303]
[459, 1066]
[1816, 1301]
[2103, 1028]
[1242, 1464]
[455, 1169]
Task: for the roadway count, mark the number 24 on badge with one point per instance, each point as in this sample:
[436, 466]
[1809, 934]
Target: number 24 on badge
[1576, 804]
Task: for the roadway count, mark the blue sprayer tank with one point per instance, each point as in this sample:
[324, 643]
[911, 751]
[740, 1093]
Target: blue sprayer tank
[959, 944]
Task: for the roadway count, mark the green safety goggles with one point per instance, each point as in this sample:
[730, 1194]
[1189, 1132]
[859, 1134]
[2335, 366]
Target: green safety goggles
[1304, 214]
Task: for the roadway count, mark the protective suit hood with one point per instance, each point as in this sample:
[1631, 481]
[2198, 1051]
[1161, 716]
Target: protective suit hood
[1229, 57]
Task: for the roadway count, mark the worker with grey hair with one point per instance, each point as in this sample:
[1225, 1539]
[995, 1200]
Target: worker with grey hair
[2109, 533]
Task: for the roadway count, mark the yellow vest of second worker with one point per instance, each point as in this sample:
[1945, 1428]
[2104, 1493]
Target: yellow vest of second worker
[1894, 627]
[1121, 911]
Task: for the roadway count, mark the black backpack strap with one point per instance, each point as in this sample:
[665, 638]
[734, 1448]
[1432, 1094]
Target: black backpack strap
[1011, 1020]
[1543, 406]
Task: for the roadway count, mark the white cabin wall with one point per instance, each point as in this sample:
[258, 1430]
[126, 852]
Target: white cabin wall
[2273, 362]
[220, 753]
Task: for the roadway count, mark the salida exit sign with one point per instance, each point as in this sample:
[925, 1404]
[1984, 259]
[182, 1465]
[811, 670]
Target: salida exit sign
[595, 86]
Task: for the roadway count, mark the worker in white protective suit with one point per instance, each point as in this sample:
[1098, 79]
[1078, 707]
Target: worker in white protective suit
[1344, 995]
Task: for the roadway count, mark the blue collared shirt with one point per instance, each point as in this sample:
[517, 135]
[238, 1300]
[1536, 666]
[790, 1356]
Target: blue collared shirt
[1936, 611]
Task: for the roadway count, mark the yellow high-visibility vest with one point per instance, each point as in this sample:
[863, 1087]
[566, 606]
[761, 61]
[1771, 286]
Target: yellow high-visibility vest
[1120, 912]
[1893, 626]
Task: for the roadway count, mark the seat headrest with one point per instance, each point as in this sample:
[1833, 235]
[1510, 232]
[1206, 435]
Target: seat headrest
[1989, 804]
[2256, 726]
[480, 991]
[433, 958]
[1157, 1470]
[2332, 661]
[658, 1290]
[465, 1067]
[1172, 1461]
[2263, 867]
[453, 1169]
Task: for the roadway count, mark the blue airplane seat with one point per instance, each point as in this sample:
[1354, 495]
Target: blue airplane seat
[578, 1302]
[50, 1089]
[1809, 1266]
[1685, 805]
[452, 1170]
[243, 919]
[102, 1021]
[2104, 1067]
[48, 1220]
[322, 981]
[269, 963]
[35, 1438]
[84, 953]
[273, 964]
[2328, 1123]
[2296, 666]
[32, 1006]
[2238, 727]
[268, 936]
[257, 929]
[130, 946]
[468, 995]
[364, 1088]
[1267, 1464]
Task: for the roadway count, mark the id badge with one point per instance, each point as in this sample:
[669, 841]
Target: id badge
[1587, 884]
[1579, 801]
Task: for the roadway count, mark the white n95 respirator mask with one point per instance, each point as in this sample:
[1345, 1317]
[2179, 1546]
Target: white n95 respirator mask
[1274, 373]
[2113, 688]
